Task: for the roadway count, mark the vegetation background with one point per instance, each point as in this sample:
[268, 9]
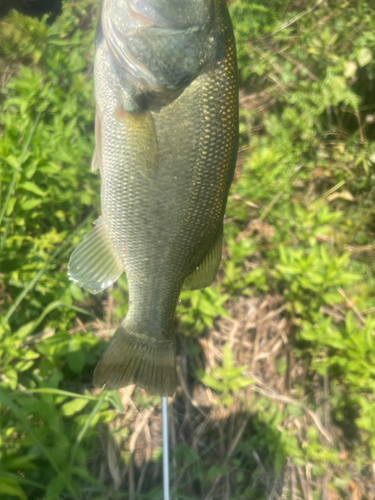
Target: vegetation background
[276, 361]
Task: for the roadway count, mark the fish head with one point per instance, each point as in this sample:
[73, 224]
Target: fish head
[160, 45]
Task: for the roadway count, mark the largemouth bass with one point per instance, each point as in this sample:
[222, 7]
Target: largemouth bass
[166, 143]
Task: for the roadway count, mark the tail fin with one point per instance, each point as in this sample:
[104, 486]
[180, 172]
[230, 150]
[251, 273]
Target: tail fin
[138, 359]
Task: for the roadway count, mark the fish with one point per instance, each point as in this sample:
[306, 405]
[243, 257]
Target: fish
[166, 135]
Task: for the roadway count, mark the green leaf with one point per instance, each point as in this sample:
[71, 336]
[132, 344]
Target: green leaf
[227, 357]
[55, 487]
[333, 339]
[232, 373]
[11, 488]
[364, 56]
[333, 298]
[239, 383]
[207, 308]
[32, 188]
[76, 360]
[216, 470]
[227, 400]
[294, 411]
[30, 204]
[73, 406]
[24, 462]
[10, 207]
[210, 381]
[114, 398]
[349, 69]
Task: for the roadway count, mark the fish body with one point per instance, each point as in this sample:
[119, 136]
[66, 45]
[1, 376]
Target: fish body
[166, 143]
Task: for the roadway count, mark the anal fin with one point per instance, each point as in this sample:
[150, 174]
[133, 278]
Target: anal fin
[205, 273]
[93, 264]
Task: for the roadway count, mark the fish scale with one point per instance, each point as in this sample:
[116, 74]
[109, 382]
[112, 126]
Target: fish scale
[167, 160]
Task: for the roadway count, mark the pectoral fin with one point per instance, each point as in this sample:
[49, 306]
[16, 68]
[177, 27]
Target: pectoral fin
[141, 137]
[93, 264]
[205, 273]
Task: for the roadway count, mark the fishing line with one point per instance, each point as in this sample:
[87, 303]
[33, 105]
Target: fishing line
[165, 448]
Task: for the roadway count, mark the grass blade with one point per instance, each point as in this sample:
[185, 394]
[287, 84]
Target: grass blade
[28, 428]
[82, 432]
[21, 480]
[20, 163]
[32, 283]
[57, 392]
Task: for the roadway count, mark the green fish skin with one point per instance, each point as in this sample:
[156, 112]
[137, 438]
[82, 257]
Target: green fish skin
[166, 144]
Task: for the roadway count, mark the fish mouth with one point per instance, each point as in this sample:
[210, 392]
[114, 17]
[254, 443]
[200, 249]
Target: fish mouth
[147, 14]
